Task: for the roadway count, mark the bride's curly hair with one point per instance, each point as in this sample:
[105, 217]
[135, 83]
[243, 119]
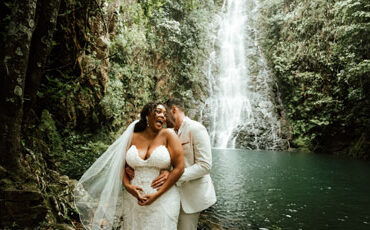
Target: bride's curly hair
[147, 109]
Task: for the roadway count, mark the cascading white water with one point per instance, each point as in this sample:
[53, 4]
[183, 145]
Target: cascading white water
[242, 103]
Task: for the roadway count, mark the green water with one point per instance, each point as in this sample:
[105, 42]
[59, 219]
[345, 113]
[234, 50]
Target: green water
[279, 190]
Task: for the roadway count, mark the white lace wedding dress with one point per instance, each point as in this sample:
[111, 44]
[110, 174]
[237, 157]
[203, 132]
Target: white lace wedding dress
[162, 213]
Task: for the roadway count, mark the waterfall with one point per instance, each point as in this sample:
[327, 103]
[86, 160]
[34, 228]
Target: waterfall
[244, 101]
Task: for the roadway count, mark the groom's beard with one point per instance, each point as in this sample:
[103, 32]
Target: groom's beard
[170, 122]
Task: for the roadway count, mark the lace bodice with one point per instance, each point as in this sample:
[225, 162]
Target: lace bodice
[147, 170]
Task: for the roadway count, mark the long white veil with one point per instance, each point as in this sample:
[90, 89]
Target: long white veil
[98, 194]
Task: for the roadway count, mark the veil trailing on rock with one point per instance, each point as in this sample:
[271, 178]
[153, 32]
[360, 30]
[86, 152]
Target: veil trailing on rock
[98, 194]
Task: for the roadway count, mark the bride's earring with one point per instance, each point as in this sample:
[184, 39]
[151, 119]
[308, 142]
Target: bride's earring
[147, 122]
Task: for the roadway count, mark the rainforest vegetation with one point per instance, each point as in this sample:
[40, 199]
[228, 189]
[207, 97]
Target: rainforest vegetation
[73, 74]
[319, 53]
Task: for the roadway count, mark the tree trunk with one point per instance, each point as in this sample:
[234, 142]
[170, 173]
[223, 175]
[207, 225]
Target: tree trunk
[13, 66]
[46, 20]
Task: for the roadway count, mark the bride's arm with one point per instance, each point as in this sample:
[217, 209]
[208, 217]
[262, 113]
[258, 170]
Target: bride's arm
[177, 161]
[132, 189]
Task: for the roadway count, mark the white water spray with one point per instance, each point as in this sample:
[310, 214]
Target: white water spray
[242, 102]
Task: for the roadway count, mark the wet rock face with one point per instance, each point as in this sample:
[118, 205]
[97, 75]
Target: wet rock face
[261, 136]
[26, 208]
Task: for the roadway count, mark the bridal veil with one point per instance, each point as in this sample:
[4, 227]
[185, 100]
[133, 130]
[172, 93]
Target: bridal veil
[98, 194]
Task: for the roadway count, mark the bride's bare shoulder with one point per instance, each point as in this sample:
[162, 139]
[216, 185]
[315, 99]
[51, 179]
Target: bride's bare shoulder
[168, 132]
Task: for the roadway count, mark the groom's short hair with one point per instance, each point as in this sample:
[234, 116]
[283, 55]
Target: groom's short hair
[175, 102]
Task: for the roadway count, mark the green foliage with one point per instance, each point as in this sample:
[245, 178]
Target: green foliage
[149, 6]
[319, 52]
[171, 45]
[81, 152]
[191, 49]
[50, 134]
[156, 50]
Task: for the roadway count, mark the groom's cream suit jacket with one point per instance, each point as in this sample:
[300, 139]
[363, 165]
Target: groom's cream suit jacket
[195, 185]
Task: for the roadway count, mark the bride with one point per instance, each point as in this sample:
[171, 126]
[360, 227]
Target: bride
[147, 147]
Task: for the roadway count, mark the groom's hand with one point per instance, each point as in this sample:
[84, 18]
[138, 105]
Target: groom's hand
[130, 172]
[161, 179]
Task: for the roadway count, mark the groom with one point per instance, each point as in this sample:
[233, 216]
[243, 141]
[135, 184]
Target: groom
[195, 185]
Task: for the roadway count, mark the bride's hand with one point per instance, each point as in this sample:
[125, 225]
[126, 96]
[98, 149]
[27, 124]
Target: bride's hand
[148, 199]
[135, 191]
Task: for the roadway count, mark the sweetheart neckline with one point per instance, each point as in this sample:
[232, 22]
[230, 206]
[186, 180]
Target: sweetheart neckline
[137, 152]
